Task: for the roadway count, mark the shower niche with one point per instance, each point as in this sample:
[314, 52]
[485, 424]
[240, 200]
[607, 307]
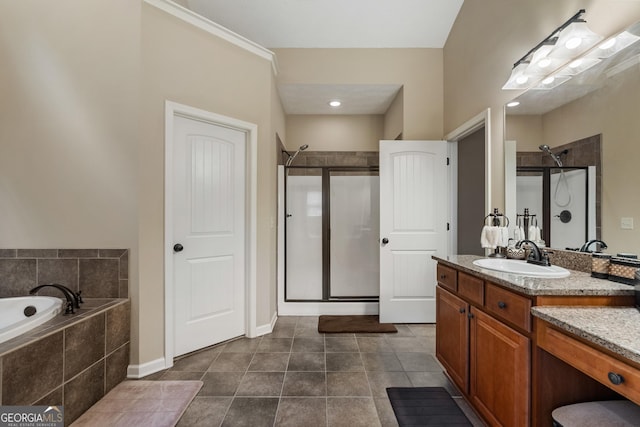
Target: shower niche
[331, 228]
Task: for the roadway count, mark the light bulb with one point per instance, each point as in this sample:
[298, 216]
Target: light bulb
[548, 80]
[609, 43]
[544, 62]
[576, 63]
[513, 104]
[522, 79]
[573, 43]
[335, 103]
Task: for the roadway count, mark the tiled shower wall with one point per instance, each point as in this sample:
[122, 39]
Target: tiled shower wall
[98, 273]
[334, 158]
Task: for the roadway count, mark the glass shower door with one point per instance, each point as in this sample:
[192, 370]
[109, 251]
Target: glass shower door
[304, 234]
[354, 232]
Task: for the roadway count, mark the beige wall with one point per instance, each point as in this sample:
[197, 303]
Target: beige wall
[68, 120]
[394, 117]
[488, 37]
[188, 66]
[418, 70]
[525, 130]
[335, 132]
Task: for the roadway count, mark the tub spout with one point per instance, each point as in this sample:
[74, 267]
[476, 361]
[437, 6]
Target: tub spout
[72, 299]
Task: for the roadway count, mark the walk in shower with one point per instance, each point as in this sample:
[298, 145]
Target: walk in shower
[331, 231]
[562, 200]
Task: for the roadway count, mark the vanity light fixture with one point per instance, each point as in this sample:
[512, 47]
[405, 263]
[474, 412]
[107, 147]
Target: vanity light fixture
[335, 103]
[561, 47]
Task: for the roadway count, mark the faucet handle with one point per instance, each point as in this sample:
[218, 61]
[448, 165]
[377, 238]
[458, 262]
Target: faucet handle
[79, 297]
[69, 309]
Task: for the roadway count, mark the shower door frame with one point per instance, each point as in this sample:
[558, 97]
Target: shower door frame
[326, 234]
[546, 195]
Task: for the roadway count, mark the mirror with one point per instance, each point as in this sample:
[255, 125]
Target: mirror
[591, 120]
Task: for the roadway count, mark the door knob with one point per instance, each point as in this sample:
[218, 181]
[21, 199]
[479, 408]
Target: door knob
[178, 247]
[385, 241]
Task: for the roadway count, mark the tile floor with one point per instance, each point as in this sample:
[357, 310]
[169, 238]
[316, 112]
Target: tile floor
[296, 376]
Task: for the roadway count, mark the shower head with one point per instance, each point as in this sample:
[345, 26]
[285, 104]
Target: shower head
[291, 157]
[555, 157]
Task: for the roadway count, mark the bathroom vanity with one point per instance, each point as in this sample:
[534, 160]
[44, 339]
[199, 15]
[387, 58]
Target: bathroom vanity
[501, 344]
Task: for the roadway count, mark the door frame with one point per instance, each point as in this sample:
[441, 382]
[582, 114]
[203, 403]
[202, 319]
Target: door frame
[173, 109]
[467, 128]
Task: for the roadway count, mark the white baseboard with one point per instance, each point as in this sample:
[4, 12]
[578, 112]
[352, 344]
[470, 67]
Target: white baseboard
[268, 328]
[326, 308]
[140, 371]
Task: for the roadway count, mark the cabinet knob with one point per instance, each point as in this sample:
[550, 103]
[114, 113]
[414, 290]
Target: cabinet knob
[502, 304]
[462, 310]
[470, 315]
[443, 276]
[615, 379]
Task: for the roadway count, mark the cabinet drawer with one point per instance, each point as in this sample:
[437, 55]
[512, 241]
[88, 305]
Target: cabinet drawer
[590, 360]
[447, 277]
[471, 288]
[508, 306]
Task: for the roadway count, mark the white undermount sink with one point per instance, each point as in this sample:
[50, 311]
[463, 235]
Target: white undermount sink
[523, 268]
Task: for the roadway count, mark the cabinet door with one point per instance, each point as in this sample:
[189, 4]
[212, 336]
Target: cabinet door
[499, 361]
[452, 337]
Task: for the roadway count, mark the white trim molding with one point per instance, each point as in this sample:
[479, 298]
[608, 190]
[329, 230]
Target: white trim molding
[144, 369]
[199, 21]
[467, 128]
[173, 109]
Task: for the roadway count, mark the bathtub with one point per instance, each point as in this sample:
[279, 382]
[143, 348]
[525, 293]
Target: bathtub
[13, 314]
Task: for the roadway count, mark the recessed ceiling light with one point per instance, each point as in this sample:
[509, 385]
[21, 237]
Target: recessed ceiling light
[513, 104]
[335, 103]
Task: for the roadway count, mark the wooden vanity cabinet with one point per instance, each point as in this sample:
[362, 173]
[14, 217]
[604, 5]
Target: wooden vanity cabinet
[499, 371]
[487, 358]
[452, 344]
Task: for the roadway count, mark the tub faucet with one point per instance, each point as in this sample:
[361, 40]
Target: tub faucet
[585, 247]
[536, 256]
[72, 299]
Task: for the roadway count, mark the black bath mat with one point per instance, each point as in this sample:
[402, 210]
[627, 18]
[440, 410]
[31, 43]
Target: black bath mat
[425, 406]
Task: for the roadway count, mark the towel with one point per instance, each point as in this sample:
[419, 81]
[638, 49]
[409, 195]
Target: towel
[504, 237]
[538, 237]
[532, 233]
[518, 234]
[484, 237]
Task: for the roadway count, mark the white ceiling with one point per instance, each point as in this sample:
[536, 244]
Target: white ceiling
[356, 99]
[335, 24]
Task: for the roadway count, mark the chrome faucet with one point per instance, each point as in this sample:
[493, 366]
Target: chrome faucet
[73, 299]
[585, 247]
[536, 256]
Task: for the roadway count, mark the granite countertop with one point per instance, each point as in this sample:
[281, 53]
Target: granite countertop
[614, 328]
[577, 284]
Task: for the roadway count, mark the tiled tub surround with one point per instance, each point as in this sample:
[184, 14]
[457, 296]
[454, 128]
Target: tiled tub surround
[98, 273]
[71, 360]
[577, 284]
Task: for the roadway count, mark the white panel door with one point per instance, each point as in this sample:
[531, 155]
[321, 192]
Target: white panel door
[209, 227]
[413, 226]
